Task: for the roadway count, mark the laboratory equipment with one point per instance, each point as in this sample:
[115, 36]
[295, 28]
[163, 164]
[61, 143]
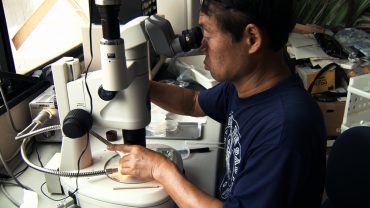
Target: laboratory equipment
[200, 74]
[117, 97]
[182, 14]
[128, 11]
[46, 101]
[16, 91]
[357, 108]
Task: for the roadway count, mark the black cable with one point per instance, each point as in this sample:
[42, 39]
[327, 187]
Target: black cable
[4, 176]
[42, 191]
[10, 172]
[7, 195]
[8, 110]
[71, 194]
[9, 75]
[88, 91]
[21, 172]
[38, 155]
[91, 56]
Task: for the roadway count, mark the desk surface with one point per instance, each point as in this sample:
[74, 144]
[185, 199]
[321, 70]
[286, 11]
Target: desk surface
[200, 168]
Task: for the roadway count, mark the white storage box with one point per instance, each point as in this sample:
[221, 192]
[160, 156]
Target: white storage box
[201, 75]
[357, 109]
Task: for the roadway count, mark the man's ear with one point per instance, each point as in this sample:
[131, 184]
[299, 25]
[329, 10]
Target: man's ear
[253, 36]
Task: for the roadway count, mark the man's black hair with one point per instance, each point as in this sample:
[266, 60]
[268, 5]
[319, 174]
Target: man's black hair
[274, 17]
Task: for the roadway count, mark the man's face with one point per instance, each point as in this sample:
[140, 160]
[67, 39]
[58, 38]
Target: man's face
[225, 59]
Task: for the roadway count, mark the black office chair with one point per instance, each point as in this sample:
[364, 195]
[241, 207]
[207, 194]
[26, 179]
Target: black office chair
[348, 170]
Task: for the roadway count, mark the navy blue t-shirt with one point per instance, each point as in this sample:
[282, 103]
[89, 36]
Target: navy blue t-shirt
[274, 146]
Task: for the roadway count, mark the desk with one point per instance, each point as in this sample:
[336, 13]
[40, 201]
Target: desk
[200, 168]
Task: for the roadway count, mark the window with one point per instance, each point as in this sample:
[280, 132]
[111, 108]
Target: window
[42, 30]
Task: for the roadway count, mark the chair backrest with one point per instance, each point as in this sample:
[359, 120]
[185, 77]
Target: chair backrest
[348, 169]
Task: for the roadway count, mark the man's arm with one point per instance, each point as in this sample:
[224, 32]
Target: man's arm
[175, 99]
[184, 193]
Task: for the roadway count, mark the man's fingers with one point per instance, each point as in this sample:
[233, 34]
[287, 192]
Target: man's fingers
[125, 159]
[130, 171]
[119, 147]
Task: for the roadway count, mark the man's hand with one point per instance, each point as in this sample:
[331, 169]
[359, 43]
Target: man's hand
[145, 163]
[139, 161]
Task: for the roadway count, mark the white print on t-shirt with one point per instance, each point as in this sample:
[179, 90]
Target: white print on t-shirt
[233, 151]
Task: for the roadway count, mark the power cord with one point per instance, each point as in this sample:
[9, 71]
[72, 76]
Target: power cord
[21, 172]
[91, 55]
[43, 192]
[38, 156]
[10, 172]
[36, 125]
[7, 109]
[6, 177]
[72, 194]
[7, 195]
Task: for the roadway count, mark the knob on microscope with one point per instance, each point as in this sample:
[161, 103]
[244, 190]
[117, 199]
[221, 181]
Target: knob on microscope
[77, 123]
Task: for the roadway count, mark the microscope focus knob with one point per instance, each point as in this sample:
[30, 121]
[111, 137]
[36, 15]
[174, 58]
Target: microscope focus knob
[105, 94]
[77, 123]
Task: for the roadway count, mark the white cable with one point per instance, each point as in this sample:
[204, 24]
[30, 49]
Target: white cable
[17, 152]
[7, 195]
[38, 131]
[35, 127]
[39, 120]
[156, 68]
[14, 155]
[51, 171]
[5, 182]
[10, 173]
[218, 145]
[27, 128]
[8, 170]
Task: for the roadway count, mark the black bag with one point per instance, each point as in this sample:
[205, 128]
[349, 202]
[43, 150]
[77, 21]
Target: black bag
[330, 96]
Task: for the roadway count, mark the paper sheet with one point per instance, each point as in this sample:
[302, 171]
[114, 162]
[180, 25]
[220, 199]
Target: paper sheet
[310, 52]
[297, 40]
[30, 199]
[305, 46]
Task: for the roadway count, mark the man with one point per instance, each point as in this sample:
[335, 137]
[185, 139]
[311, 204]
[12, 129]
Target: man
[274, 135]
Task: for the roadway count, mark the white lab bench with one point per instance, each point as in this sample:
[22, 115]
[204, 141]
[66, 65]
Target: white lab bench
[200, 168]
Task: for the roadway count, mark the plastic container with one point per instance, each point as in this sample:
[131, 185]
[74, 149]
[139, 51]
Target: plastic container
[357, 109]
[201, 75]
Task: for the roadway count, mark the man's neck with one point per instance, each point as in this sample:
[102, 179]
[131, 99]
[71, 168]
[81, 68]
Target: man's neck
[268, 72]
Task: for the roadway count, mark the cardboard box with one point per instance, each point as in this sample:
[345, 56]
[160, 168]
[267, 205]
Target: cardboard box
[333, 115]
[324, 83]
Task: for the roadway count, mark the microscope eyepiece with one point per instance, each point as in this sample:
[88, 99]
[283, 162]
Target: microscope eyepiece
[164, 40]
